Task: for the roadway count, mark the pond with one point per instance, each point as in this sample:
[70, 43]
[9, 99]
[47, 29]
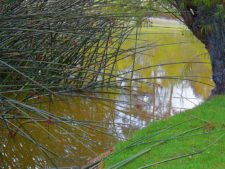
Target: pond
[173, 75]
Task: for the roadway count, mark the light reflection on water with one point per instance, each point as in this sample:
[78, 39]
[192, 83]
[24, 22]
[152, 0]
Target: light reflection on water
[114, 115]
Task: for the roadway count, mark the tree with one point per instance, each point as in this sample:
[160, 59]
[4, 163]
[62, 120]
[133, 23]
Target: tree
[205, 18]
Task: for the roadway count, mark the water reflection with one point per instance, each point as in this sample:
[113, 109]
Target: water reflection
[105, 116]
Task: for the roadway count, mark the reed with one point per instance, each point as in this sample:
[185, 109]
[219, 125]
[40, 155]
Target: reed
[54, 47]
[66, 47]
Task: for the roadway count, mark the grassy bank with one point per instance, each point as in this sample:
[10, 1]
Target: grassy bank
[194, 139]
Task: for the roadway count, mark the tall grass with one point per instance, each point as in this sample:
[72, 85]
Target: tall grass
[62, 47]
[55, 47]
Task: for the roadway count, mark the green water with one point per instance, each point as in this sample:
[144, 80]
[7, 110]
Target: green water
[171, 76]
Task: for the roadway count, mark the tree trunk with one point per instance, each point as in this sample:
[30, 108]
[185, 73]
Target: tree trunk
[207, 24]
[216, 47]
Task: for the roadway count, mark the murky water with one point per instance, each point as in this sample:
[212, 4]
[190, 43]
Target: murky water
[172, 76]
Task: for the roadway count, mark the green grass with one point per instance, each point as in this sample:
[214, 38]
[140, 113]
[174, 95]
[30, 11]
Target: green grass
[194, 139]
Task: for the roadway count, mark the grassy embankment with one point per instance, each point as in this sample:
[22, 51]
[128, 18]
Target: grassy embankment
[194, 139]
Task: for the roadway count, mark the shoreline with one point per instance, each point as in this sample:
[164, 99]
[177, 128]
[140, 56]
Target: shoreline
[168, 143]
